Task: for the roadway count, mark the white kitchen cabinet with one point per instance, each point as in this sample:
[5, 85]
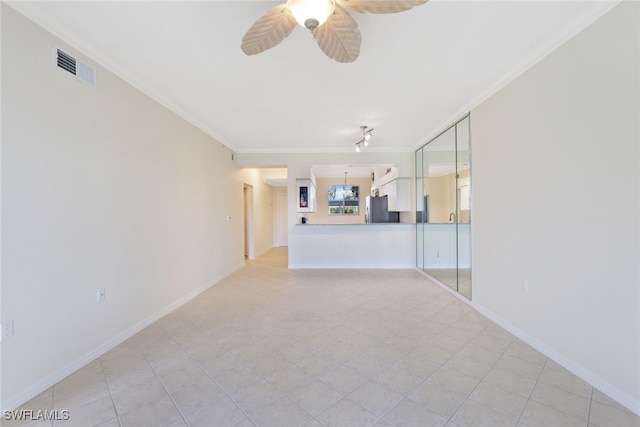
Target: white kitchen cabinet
[398, 192]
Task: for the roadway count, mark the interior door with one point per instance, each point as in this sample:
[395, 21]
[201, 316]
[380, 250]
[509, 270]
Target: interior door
[282, 233]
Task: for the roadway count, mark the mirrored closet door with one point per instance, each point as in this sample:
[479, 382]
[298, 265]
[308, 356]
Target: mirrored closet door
[443, 214]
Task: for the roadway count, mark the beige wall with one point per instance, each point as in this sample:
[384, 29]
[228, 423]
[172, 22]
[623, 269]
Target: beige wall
[101, 188]
[442, 202]
[440, 199]
[321, 216]
[556, 191]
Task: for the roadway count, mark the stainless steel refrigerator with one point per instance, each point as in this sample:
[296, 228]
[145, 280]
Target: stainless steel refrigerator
[378, 211]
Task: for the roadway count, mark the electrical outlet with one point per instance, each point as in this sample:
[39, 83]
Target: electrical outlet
[7, 329]
[100, 295]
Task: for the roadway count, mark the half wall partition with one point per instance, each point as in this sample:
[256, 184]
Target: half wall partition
[443, 207]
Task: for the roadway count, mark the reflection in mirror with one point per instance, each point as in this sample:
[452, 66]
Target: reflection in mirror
[439, 158]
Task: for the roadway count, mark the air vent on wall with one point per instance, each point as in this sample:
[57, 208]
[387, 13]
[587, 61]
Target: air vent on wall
[79, 69]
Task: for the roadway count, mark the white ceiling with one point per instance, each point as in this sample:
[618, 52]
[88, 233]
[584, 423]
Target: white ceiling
[417, 72]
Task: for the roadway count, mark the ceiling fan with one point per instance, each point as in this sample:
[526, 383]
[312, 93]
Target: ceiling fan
[335, 31]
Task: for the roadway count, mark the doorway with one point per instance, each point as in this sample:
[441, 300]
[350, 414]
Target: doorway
[281, 232]
[248, 222]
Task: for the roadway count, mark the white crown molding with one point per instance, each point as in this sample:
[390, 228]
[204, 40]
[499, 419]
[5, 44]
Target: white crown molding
[32, 11]
[544, 49]
[326, 150]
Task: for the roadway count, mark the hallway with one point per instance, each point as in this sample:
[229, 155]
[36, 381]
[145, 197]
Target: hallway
[269, 346]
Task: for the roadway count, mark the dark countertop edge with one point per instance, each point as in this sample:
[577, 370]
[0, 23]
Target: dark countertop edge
[374, 224]
[382, 223]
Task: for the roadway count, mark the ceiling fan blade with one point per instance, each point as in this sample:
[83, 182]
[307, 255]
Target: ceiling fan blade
[380, 6]
[339, 37]
[269, 30]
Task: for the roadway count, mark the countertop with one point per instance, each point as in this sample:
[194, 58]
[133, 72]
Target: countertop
[357, 224]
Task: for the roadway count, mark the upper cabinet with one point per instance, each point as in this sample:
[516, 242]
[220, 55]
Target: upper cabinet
[398, 191]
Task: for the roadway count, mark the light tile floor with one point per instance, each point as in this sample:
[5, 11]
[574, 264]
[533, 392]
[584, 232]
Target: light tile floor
[458, 280]
[272, 347]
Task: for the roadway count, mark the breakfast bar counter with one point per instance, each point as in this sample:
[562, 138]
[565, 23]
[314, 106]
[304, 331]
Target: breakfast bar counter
[353, 246]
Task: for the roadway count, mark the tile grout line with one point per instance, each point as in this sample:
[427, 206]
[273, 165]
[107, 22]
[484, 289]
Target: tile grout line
[590, 405]
[436, 370]
[501, 388]
[203, 370]
[113, 401]
[226, 393]
[344, 363]
[513, 339]
[284, 394]
[532, 390]
[161, 382]
[468, 396]
[53, 403]
[567, 392]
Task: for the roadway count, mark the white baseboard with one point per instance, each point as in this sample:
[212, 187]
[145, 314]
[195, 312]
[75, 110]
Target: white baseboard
[35, 389]
[350, 267]
[581, 372]
[264, 251]
[594, 380]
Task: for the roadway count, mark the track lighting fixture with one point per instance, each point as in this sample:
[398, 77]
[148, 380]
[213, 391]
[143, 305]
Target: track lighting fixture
[366, 136]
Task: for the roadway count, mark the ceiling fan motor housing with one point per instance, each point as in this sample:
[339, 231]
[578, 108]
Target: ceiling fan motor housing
[311, 23]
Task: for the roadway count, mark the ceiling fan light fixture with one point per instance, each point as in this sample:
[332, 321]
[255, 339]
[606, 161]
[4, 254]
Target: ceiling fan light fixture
[333, 28]
[311, 13]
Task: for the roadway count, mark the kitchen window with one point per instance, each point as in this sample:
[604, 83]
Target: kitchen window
[343, 200]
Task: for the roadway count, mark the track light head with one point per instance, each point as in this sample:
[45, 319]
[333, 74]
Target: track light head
[366, 136]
